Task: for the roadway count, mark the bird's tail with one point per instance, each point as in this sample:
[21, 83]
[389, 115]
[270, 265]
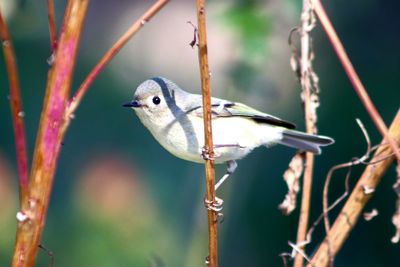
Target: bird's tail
[304, 141]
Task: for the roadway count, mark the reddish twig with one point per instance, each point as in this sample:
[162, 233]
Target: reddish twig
[33, 213]
[16, 109]
[54, 122]
[208, 147]
[52, 25]
[310, 121]
[359, 197]
[354, 79]
[109, 55]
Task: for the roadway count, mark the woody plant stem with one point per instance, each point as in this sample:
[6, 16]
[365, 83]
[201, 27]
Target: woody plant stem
[16, 110]
[353, 207]
[49, 137]
[209, 147]
[55, 118]
[309, 114]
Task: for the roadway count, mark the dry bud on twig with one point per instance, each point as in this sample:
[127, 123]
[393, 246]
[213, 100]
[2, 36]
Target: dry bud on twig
[292, 177]
[396, 215]
[370, 215]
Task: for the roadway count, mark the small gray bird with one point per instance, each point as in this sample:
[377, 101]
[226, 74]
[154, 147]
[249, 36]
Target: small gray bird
[175, 118]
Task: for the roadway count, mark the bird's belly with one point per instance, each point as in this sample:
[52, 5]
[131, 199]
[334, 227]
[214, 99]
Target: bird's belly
[233, 138]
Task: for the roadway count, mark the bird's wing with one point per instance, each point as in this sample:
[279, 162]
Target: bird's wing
[223, 108]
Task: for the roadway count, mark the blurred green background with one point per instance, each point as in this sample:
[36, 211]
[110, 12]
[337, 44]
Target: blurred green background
[119, 199]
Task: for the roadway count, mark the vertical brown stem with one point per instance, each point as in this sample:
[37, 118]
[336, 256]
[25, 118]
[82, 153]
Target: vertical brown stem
[209, 147]
[50, 136]
[16, 110]
[309, 113]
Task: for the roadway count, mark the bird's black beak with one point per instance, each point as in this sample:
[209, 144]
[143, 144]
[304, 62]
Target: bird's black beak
[133, 104]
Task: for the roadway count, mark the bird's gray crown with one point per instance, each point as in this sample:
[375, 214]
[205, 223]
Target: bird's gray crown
[159, 85]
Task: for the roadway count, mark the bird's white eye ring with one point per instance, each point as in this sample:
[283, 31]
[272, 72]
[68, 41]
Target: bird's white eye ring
[156, 100]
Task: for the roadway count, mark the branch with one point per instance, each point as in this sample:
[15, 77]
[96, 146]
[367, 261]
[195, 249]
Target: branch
[353, 207]
[110, 54]
[52, 25]
[208, 148]
[309, 96]
[32, 217]
[325, 203]
[354, 79]
[16, 110]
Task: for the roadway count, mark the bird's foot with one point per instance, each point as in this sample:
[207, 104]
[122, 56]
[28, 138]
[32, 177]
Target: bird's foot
[205, 153]
[214, 205]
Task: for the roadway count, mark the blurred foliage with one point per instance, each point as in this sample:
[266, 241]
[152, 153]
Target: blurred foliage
[251, 23]
[119, 199]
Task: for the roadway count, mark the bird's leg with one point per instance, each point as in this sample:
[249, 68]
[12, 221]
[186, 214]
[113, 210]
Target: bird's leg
[216, 204]
[231, 167]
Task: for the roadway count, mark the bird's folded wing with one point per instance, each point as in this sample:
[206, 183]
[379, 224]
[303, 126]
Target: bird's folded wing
[223, 108]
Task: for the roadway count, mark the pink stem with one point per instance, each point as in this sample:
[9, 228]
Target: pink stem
[49, 137]
[16, 109]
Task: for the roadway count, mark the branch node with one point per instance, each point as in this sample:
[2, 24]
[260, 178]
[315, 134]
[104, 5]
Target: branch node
[21, 216]
[368, 190]
[50, 61]
[205, 153]
[6, 43]
[21, 114]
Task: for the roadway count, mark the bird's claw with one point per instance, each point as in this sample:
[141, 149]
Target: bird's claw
[214, 205]
[205, 153]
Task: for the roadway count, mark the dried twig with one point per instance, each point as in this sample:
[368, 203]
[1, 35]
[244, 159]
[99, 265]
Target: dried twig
[326, 208]
[109, 55]
[354, 79]
[325, 202]
[209, 147]
[49, 138]
[352, 209]
[195, 33]
[310, 90]
[16, 109]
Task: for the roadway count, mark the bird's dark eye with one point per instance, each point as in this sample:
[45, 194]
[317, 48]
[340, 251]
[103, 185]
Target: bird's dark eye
[156, 100]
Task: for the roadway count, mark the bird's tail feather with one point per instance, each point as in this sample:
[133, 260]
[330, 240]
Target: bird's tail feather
[304, 141]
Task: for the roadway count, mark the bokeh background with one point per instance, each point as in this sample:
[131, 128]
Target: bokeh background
[119, 199]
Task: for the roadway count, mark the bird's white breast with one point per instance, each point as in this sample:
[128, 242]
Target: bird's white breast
[233, 137]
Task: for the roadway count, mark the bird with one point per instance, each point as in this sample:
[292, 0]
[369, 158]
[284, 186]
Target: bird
[175, 119]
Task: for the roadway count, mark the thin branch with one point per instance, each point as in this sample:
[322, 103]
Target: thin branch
[109, 55]
[52, 25]
[16, 109]
[354, 205]
[208, 148]
[325, 202]
[308, 95]
[354, 79]
[50, 135]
